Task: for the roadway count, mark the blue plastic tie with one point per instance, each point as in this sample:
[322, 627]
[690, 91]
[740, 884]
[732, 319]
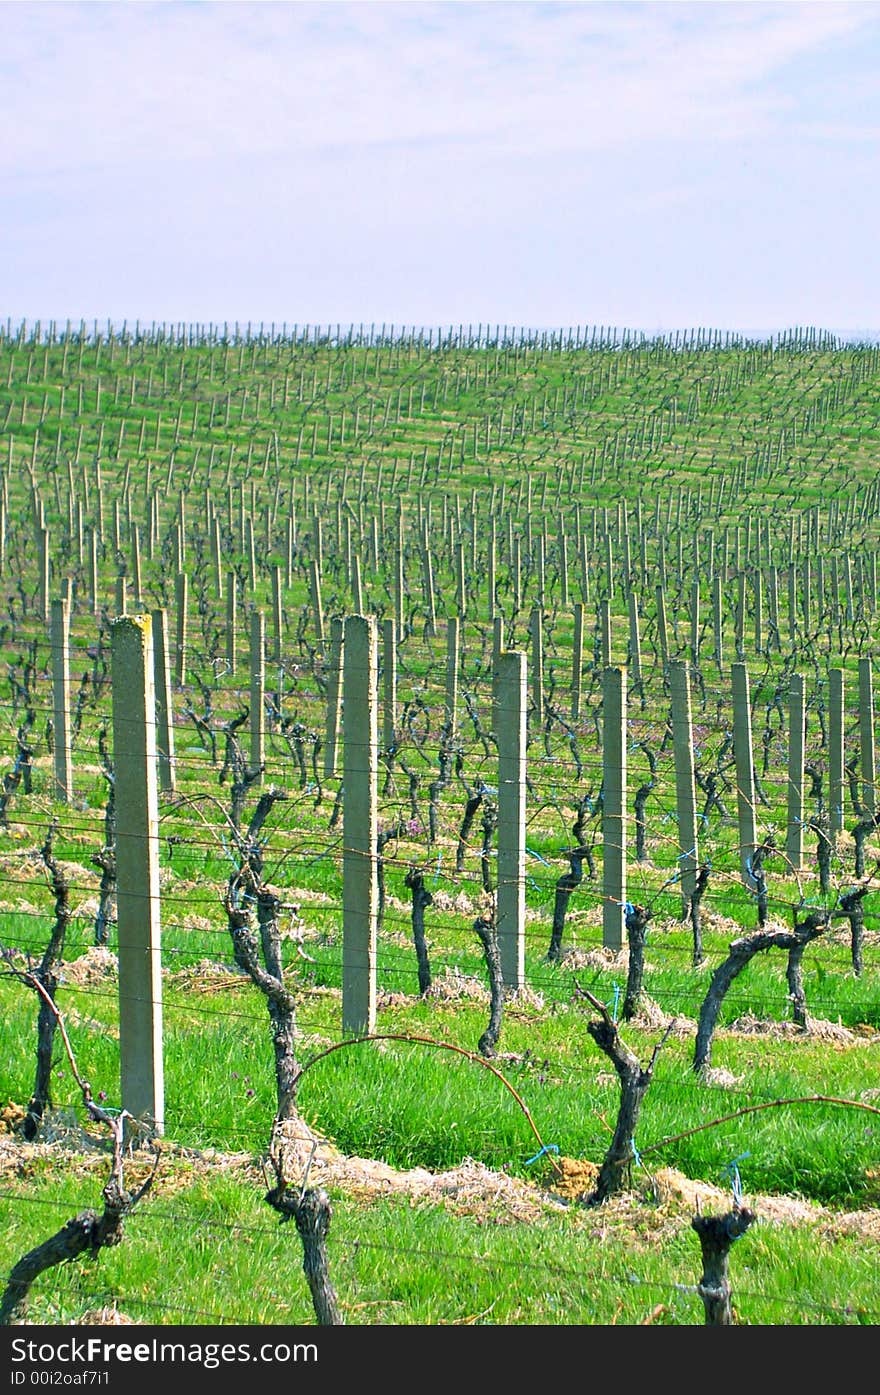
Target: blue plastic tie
[732, 1171]
[681, 857]
[636, 1155]
[628, 908]
[439, 860]
[227, 851]
[547, 1148]
[531, 853]
[616, 1002]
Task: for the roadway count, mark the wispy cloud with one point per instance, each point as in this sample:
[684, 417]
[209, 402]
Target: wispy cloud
[118, 83]
[532, 162]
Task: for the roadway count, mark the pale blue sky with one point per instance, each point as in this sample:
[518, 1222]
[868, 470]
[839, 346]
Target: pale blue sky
[650, 165]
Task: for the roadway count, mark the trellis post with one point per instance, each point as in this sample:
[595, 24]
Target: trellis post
[794, 837]
[137, 870]
[162, 689]
[360, 893]
[510, 729]
[60, 644]
[685, 787]
[745, 770]
[613, 806]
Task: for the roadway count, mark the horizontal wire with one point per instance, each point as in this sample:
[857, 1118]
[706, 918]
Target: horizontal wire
[149, 1215]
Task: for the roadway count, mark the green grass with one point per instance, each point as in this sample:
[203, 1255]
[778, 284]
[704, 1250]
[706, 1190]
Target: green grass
[413, 1104]
[398, 1262]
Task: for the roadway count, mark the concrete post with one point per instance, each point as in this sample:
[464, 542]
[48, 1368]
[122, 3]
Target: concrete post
[250, 554]
[662, 627]
[695, 622]
[745, 770]
[334, 698]
[181, 529]
[536, 635]
[181, 592]
[428, 588]
[836, 759]
[740, 617]
[152, 520]
[866, 735]
[397, 559]
[453, 640]
[277, 616]
[613, 806]
[460, 585]
[360, 893]
[584, 567]
[43, 562]
[60, 644]
[317, 606]
[540, 569]
[357, 586]
[231, 623]
[609, 566]
[635, 642]
[491, 567]
[718, 621]
[685, 788]
[136, 584]
[217, 556]
[318, 540]
[773, 606]
[93, 571]
[258, 690]
[807, 595]
[577, 661]
[497, 649]
[389, 683]
[563, 569]
[162, 689]
[289, 546]
[510, 731]
[605, 630]
[137, 870]
[794, 836]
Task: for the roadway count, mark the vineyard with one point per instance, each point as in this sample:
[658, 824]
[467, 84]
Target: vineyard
[438, 780]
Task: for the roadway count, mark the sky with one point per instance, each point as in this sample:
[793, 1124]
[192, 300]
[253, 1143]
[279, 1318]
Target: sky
[655, 166]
